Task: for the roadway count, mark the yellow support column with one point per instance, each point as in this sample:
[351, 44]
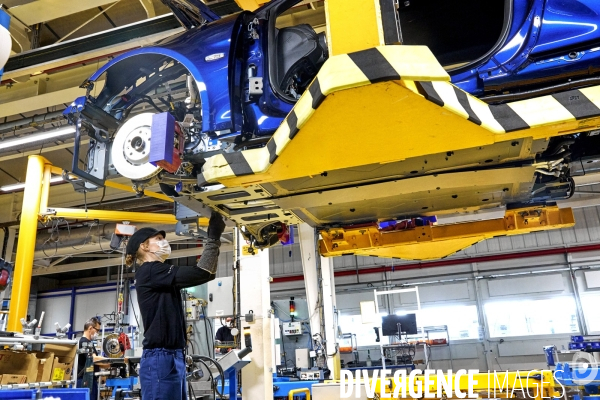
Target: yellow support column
[353, 25]
[250, 5]
[19, 299]
[45, 193]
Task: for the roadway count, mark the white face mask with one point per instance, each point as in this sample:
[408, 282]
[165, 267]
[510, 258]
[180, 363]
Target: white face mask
[95, 336]
[164, 249]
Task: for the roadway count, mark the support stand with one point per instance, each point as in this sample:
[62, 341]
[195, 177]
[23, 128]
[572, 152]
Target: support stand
[320, 296]
[257, 324]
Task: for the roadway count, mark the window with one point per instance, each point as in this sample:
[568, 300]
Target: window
[591, 311]
[462, 320]
[531, 317]
[365, 334]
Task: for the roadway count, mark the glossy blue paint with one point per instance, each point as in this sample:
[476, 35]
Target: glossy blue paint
[557, 38]
[265, 114]
[270, 103]
[568, 23]
[190, 48]
[545, 39]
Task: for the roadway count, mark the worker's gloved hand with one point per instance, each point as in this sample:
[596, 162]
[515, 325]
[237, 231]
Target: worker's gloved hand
[216, 226]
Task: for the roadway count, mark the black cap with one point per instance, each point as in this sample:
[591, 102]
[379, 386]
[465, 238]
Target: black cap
[139, 237]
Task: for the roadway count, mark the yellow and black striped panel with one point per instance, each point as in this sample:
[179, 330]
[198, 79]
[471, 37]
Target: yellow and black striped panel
[547, 110]
[423, 75]
[341, 72]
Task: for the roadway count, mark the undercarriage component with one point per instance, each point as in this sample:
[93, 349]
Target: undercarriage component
[265, 234]
[432, 242]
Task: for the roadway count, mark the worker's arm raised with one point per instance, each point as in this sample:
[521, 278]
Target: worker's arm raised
[206, 268]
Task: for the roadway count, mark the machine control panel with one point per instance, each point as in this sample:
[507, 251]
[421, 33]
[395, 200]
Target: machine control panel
[310, 374]
[292, 328]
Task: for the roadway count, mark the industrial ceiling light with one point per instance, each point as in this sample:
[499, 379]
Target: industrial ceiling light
[18, 186]
[38, 137]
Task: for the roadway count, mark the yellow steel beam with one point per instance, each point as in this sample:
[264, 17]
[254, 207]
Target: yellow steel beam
[353, 25]
[432, 242]
[250, 5]
[105, 215]
[148, 193]
[19, 300]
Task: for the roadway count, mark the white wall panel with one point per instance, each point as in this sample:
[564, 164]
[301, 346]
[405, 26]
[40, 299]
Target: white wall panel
[57, 310]
[530, 347]
[88, 305]
[592, 279]
[465, 351]
[592, 222]
[347, 302]
[527, 284]
[435, 293]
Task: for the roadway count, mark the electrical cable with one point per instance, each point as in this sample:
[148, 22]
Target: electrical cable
[497, 362]
[283, 348]
[212, 335]
[206, 321]
[216, 364]
[134, 313]
[53, 230]
[100, 242]
[210, 377]
[87, 236]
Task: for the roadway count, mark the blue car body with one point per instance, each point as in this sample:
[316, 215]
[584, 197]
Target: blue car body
[546, 40]
[190, 48]
[544, 43]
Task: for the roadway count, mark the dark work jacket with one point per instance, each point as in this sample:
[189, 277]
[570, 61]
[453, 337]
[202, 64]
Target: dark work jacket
[158, 288]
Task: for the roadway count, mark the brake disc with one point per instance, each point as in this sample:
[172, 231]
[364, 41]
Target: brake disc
[111, 346]
[131, 148]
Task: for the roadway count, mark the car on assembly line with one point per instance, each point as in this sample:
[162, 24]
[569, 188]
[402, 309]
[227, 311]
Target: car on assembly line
[227, 84]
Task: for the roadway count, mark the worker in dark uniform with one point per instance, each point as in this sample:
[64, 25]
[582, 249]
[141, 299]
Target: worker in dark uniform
[224, 335]
[85, 367]
[162, 368]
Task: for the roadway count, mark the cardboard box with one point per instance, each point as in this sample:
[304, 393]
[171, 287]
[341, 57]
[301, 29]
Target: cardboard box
[9, 379]
[64, 358]
[45, 363]
[19, 363]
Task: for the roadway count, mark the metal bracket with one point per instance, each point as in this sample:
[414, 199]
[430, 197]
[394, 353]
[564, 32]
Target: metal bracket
[255, 86]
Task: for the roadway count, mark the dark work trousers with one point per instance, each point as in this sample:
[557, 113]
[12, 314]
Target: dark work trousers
[162, 375]
[93, 388]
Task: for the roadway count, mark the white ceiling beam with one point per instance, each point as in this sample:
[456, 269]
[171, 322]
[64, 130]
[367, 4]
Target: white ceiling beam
[46, 149]
[149, 8]
[47, 10]
[97, 54]
[41, 101]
